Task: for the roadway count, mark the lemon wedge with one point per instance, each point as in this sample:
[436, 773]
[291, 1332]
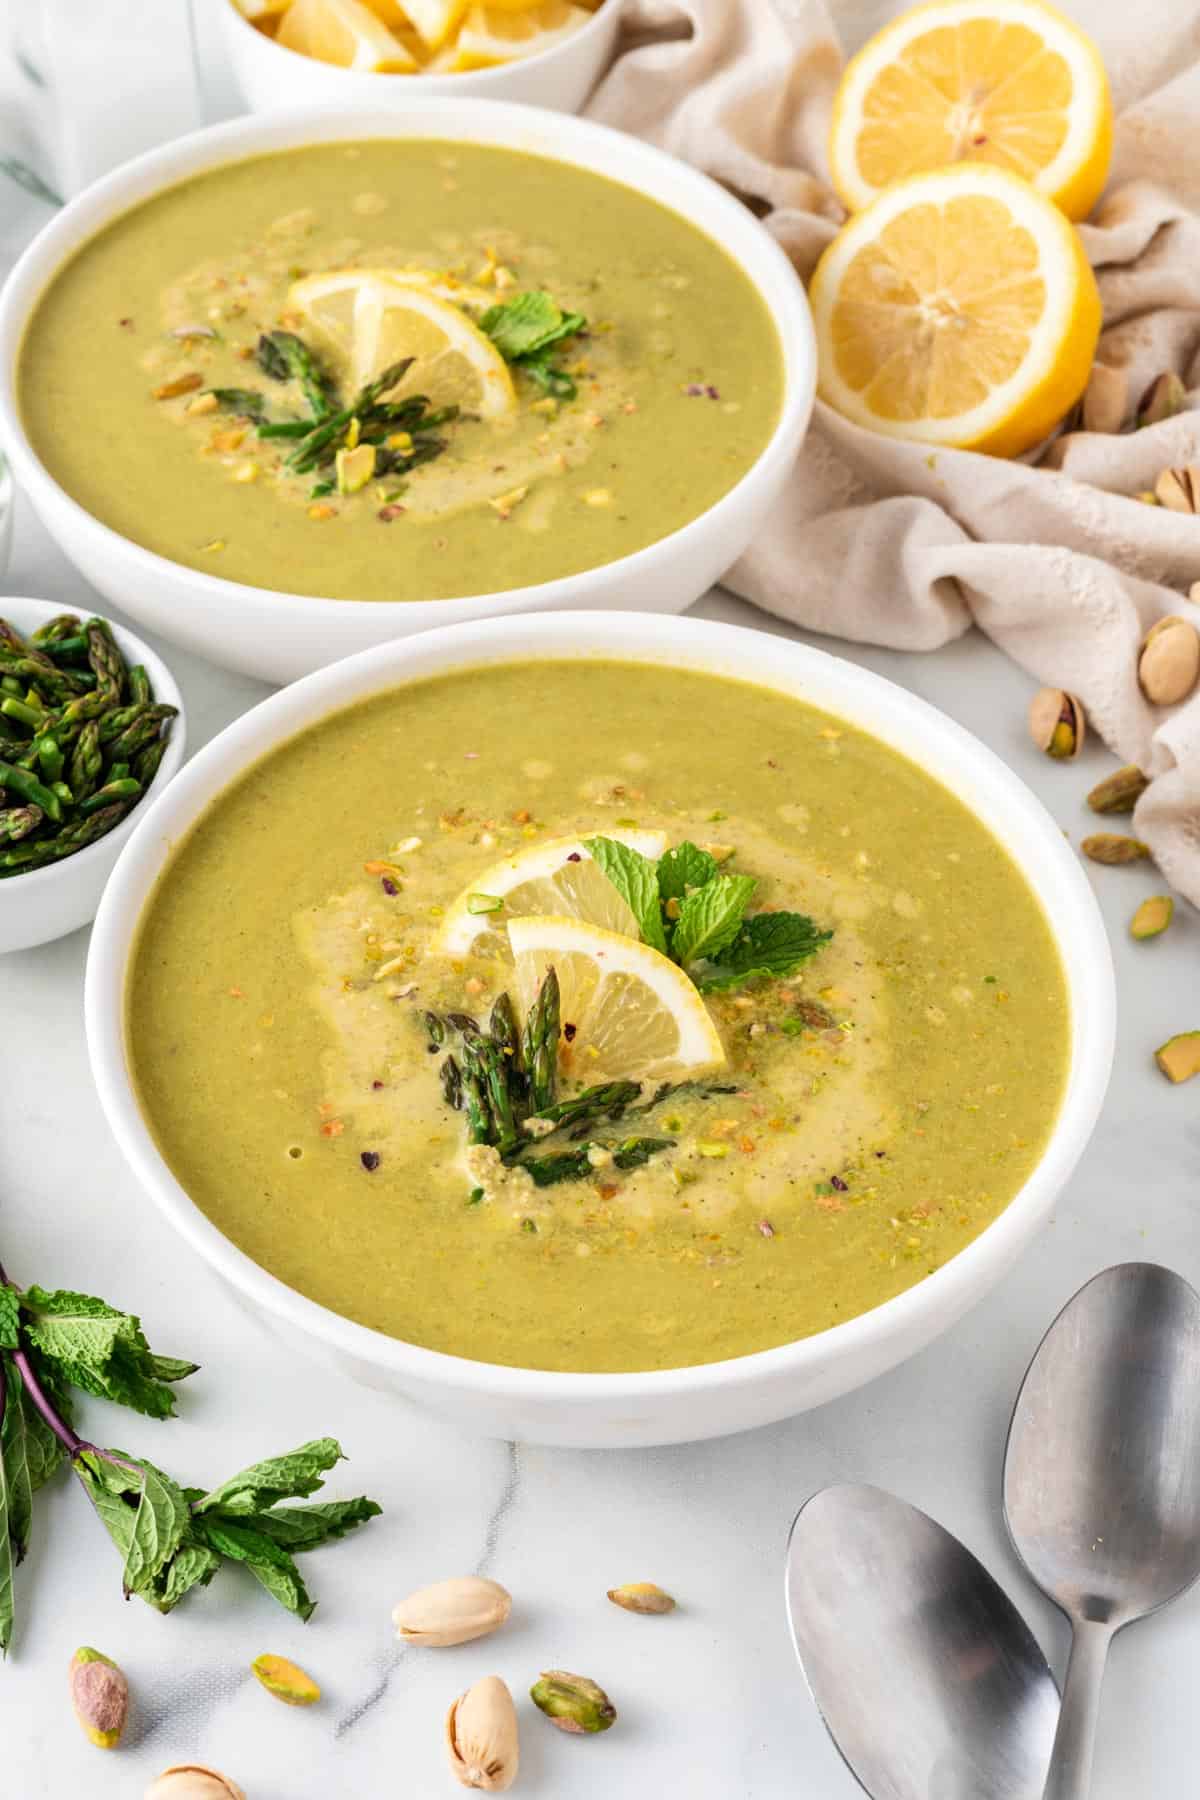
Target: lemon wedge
[491, 35]
[435, 21]
[958, 309]
[557, 876]
[1009, 82]
[344, 32]
[634, 1013]
[368, 318]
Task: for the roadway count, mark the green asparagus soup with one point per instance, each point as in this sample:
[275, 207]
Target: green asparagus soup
[582, 1015]
[399, 371]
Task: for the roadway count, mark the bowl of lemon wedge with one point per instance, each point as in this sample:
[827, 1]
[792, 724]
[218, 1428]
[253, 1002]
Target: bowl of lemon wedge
[542, 52]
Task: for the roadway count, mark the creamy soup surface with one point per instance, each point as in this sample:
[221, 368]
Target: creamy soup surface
[674, 384]
[876, 1110]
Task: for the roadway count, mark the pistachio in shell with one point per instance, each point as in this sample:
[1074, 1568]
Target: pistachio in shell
[100, 1696]
[1169, 661]
[1112, 848]
[1152, 917]
[1179, 1057]
[1057, 723]
[193, 1781]
[482, 1738]
[572, 1702]
[642, 1597]
[1165, 396]
[1179, 489]
[286, 1680]
[452, 1612]
[1105, 399]
[1120, 791]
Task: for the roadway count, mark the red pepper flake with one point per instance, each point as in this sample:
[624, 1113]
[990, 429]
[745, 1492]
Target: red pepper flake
[765, 1228]
[746, 1146]
[370, 1160]
[236, 994]
[574, 857]
[835, 1181]
[125, 324]
[569, 1031]
[388, 885]
[608, 1190]
[388, 513]
[332, 1128]
[522, 817]
[377, 1084]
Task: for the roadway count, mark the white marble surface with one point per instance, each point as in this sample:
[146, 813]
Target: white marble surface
[710, 1699]
[711, 1703]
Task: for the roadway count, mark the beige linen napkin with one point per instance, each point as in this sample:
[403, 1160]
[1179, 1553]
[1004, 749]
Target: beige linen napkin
[879, 541]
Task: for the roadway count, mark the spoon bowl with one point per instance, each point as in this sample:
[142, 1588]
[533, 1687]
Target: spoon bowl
[927, 1678]
[1102, 1475]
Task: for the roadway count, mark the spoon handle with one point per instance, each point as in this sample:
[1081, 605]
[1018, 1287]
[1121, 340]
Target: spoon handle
[1070, 1775]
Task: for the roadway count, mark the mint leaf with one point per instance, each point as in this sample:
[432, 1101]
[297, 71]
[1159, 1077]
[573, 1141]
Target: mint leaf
[264, 1558]
[10, 1318]
[289, 1477]
[528, 323]
[171, 1368]
[636, 880]
[771, 944]
[710, 918]
[193, 1565]
[143, 1511]
[298, 1528]
[8, 1559]
[29, 1451]
[683, 867]
[101, 1350]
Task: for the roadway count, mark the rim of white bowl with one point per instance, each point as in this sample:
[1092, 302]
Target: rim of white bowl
[554, 135]
[365, 81]
[166, 690]
[843, 688]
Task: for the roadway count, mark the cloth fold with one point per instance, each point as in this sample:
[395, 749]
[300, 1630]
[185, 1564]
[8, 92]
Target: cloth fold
[880, 542]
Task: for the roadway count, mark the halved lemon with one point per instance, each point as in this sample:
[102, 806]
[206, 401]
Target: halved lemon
[633, 1014]
[368, 318]
[958, 309]
[500, 34]
[344, 32]
[557, 876]
[1009, 82]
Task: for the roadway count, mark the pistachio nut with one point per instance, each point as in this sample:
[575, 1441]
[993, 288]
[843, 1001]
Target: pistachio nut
[1105, 399]
[642, 1597]
[100, 1696]
[285, 1680]
[1152, 917]
[1169, 661]
[482, 1738]
[452, 1612]
[1179, 489]
[1109, 847]
[1147, 496]
[1165, 396]
[193, 1781]
[1119, 792]
[1056, 723]
[572, 1702]
[1179, 1057]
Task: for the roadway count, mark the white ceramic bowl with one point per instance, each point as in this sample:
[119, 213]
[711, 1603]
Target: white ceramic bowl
[679, 1404]
[48, 903]
[271, 76]
[6, 514]
[280, 636]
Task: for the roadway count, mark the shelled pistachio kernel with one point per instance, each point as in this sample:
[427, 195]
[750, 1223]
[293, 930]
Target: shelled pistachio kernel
[1152, 917]
[286, 1680]
[1165, 396]
[1111, 848]
[1119, 792]
[1057, 723]
[1179, 1057]
[1169, 661]
[100, 1696]
[572, 1702]
[642, 1597]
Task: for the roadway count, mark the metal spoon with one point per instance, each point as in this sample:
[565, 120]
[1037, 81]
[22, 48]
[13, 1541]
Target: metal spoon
[929, 1681]
[1102, 1477]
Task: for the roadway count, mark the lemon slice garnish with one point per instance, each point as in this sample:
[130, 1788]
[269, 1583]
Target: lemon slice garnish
[556, 876]
[1010, 82]
[957, 309]
[493, 35]
[344, 32]
[628, 1013]
[367, 319]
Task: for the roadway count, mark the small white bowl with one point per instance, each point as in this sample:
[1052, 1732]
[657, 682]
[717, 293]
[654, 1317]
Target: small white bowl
[671, 1405]
[48, 903]
[278, 636]
[272, 76]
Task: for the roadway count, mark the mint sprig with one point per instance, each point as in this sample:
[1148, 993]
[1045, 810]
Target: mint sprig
[526, 330]
[690, 910]
[170, 1538]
